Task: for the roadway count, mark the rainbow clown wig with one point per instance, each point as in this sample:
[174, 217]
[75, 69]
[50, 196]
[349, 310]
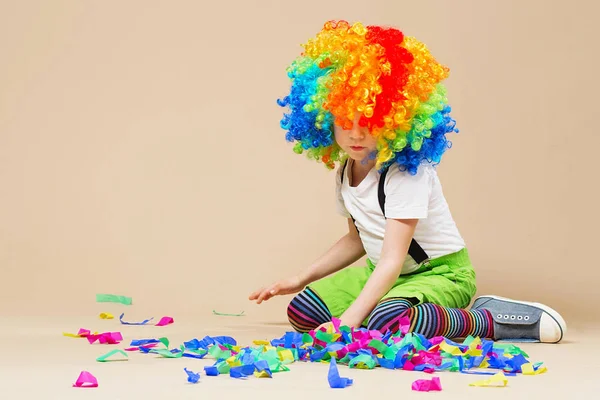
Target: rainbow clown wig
[390, 79]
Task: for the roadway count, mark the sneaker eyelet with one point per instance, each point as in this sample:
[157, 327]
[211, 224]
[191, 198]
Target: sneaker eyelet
[526, 318]
[513, 317]
[499, 316]
[506, 317]
[520, 317]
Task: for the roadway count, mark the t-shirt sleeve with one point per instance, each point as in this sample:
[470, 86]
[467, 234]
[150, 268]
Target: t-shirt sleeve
[339, 200]
[407, 196]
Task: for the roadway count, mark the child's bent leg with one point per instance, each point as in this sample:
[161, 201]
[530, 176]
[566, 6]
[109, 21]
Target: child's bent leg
[307, 311]
[431, 320]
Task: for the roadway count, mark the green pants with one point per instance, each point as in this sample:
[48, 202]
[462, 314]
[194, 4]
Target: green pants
[448, 281]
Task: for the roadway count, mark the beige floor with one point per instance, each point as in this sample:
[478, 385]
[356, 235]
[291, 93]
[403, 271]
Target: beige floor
[38, 362]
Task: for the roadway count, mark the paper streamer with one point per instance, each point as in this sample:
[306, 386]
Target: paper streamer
[86, 380]
[228, 315]
[192, 377]
[334, 378]
[427, 385]
[498, 380]
[105, 315]
[144, 322]
[111, 298]
[105, 357]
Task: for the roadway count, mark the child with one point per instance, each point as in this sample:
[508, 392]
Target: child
[370, 99]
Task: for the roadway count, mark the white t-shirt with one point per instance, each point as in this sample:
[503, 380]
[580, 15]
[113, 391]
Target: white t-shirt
[408, 196]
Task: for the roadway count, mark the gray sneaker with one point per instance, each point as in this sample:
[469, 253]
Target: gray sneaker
[521, 321]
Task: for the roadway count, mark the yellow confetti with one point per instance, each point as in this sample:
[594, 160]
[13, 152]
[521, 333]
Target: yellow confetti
[262, 374]
[528, 369]
[498, 380]
[261, 342]
[474, 352]
[233, 362]
[476, 342]
[286, 356]
[448, 348]
[106, 315]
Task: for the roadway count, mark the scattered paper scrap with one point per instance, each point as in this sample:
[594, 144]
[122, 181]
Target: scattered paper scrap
[193, 377]
[334, 378]
[533, 369]
[427, 385]
[165, 321]
[144, 322]
[80, 334]
[86, 380]
[109, 356]
[228, 315]
[498, 380]
[138, 348]
[106, 315]
[106, 338]
[112, 298]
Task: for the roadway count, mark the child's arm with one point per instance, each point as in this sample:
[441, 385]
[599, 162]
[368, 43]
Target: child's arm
[398, 234]
[344, 252]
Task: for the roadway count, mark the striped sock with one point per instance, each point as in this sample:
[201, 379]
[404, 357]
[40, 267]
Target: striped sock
[386, 313]
[433, 320]
[307, 311]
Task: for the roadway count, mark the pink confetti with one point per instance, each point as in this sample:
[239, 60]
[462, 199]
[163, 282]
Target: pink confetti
[106, 338]
[86, 380]
[426, 385]
[165, 321]
[336, 324]
[137, 348]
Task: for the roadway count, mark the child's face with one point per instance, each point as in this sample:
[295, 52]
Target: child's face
[357, 142]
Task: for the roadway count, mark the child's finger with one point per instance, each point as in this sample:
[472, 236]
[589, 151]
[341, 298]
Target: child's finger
[254, 295]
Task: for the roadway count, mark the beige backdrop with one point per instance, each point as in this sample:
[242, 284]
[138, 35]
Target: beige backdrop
[141, 154]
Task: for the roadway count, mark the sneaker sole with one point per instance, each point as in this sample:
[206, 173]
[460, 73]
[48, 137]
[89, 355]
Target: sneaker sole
[550, 311]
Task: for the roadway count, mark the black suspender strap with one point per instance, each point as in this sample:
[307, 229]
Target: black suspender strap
[414, 250]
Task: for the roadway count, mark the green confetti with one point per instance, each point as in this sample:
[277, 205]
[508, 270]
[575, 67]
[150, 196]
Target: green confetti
[223, 367]
[217, 353]
[307, 339]
[378, 345]
[104, 358]
[228, 315]
[324, 336]
[167, 353]
[362, 361]
[112, 298]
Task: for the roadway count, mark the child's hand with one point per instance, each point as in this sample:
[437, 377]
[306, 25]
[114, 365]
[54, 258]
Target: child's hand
[284, 286]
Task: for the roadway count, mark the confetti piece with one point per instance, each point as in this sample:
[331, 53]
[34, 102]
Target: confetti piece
[86, 380]
[498, 380]
[105, 338]
[529, 369]
[427, 385]
[80, 334]
[228, 315]
[111, 298]
[334, 378]
[106, 315]
[140, 342]
[165, 321]
[105, 357]
[144, 322]
[137, 348]
[193, 377]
